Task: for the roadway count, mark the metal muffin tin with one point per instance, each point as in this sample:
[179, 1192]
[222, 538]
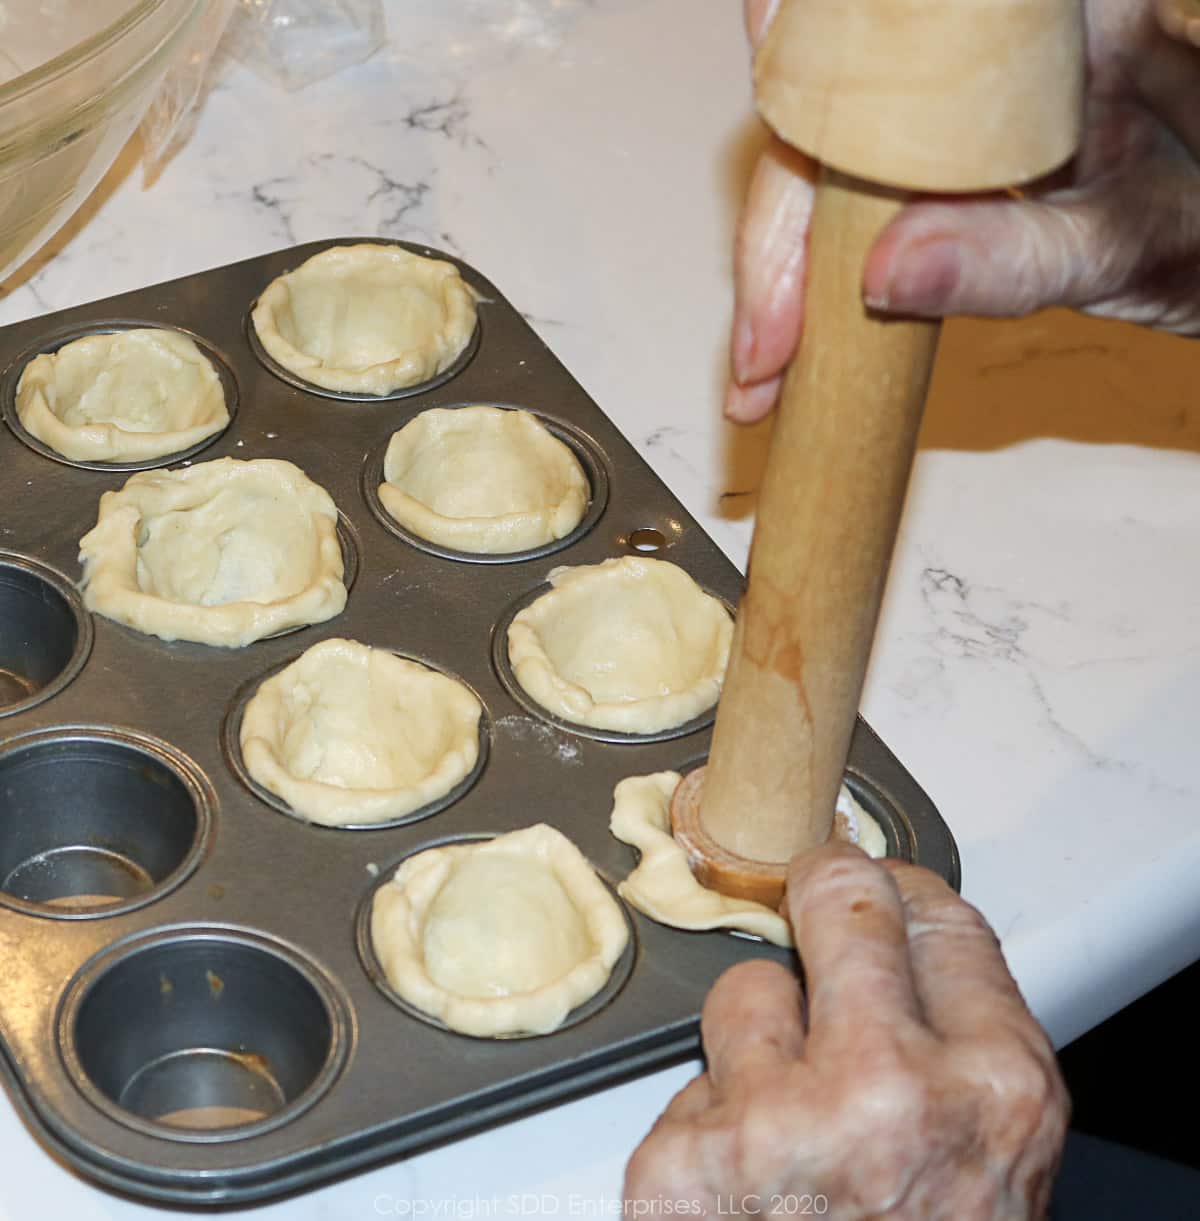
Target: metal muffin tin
[187, 1012]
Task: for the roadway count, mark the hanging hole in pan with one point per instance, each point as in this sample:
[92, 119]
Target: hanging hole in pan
[585, 451]
[59, 339]
[647, 541]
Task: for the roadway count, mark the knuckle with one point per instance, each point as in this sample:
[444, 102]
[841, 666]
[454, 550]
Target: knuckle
[754, 1138]
[885, 1099]
[1022, 1089]
[658, 1165]
[948, 914]
[837, 878]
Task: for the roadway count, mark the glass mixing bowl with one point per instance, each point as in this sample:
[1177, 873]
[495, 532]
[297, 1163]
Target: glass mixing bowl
[75, 78]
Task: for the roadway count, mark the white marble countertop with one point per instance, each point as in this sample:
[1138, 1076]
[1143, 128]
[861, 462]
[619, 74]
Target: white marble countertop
[1037, 665]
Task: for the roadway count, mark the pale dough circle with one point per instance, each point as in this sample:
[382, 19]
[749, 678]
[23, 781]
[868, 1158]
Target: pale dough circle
[127, 396]
[348, 734]
[663, 885]
[482, 479]
[222, 553]
[505, 936]
[366, 319]
[631, 644]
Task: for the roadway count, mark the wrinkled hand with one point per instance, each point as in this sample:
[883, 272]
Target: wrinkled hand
[1116, 234]
[911, 1082]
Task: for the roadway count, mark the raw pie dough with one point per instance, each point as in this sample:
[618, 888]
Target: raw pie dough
[663, 885]
[482, 479]
[128, 396]
[366, 319]
[221, 553]
[349, 734]
[500, 937]
[631, 644]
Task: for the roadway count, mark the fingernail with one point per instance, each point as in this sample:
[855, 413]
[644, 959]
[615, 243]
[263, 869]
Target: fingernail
[742, 350]
[748, 404]
[732, 409]
[921, 279]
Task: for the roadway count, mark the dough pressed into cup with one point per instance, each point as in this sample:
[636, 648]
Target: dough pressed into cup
[221, 553]
[482, 479]
[348, 734]
[663, 885]
[366, 319]
[632, 645]
[124, 396]
[500, 937]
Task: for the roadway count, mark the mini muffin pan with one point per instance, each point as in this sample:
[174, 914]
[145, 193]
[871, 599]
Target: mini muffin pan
[190, 1012]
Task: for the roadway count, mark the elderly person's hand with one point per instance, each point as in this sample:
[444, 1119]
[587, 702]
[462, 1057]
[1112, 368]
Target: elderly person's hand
[907, 1080]
[1116, 234]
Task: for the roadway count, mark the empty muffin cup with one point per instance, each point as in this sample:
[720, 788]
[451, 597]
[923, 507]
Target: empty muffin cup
[202, 1035]
[45, 634]
[95, 821]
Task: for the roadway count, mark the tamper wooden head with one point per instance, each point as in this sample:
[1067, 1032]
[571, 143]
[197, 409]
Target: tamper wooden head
[714, 865]
[929, 95]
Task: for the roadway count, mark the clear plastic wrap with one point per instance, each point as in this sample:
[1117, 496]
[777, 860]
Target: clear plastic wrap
[290, 42]
[296, 42]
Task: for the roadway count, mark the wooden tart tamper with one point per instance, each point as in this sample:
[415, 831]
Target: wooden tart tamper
[889, 96]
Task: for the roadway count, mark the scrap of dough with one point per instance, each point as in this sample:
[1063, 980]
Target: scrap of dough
[631, 644]
[128, 396]
[482, 479]
[500, 937]
[663, 885]
[349, 734]
[366, 319]
[222, 553]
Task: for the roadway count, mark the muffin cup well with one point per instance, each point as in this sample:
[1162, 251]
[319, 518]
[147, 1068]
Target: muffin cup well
[231, 746]
[202, 1034]
[59, 339]
[618, 977]
[586, 452]
[97, 821]
[45, 633]
[504, 671]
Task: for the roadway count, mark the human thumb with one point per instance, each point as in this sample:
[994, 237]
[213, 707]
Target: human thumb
[995, 257]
